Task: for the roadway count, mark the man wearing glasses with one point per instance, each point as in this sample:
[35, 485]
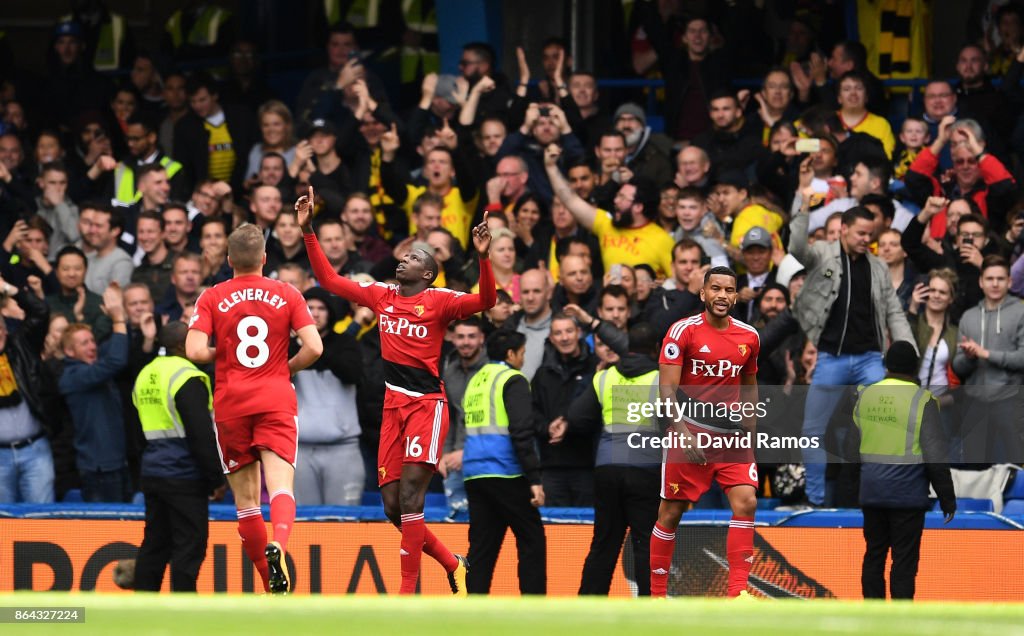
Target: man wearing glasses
[976, 174]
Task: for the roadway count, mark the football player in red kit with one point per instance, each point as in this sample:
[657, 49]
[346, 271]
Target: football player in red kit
[710, 359]
[255, 411]
[413, 319]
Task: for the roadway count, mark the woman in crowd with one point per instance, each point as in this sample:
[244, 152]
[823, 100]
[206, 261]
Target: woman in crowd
[277, 135]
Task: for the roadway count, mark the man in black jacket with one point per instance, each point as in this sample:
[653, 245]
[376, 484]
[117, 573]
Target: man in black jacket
[627, 474]
[568, 366]
[211, 141]
[692, 72]
[26, 397]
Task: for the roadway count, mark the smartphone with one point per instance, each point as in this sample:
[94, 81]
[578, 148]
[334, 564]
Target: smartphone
[705, 260]
[544, 111]
[808, 145]
[616, 274]
[968, 240]
[616, 175]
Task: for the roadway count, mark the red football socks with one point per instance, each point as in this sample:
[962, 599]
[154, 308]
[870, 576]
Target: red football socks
[254, 541]
[282, 516]
[663, 544]
[438, 551]
[413, 534]
[739, 549]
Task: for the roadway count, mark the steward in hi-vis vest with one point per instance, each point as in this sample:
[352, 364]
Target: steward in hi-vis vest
[180, 465]
[902, 450]
[502, 469]
[627, 475]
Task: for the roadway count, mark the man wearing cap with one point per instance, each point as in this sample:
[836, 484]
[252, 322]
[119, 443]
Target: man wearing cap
[329, 177]
[756, 249]
[72, 87]
[647, 152]
[902, 451]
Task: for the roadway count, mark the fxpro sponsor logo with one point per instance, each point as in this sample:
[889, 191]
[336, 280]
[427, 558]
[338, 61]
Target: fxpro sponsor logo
[402, 327]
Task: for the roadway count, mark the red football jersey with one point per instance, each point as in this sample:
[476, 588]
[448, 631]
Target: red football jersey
[251, 318]
[412, 328]
[711, 358]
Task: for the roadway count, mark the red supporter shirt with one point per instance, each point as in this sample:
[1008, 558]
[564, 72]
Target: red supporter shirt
[711, 359]
[412, 328]
[251, 318]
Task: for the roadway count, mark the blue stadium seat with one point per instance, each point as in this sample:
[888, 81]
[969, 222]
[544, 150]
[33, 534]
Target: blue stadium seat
[138, 499]
[1014, 507]
[435, 500]
[372, 499]
[72, 496]
[1015, 487]
[768, 503]
[970, 505]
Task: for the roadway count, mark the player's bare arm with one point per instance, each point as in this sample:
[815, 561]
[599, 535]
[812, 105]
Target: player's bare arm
[311, 350]
[583, 211]
[328, 278]
[304, 208]
[749, 395]
[198, 349]
[669, 376]
[482, 238]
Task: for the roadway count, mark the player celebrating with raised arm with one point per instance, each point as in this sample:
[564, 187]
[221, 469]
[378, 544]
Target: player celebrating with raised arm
[413, 320]
[255, 409]
[713, 359]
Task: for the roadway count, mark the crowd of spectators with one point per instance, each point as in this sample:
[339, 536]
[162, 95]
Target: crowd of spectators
[116, 201]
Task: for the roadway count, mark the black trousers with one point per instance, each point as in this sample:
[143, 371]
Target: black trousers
[568, 487]
[495, 505]
[625, 497]
[177, 529]
[898, 529]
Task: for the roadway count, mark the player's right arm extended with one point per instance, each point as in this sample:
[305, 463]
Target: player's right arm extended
[311, 350]
[470, 304]
[331, 280]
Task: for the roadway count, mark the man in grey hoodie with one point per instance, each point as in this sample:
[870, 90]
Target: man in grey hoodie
[990, 361]
[331, 472]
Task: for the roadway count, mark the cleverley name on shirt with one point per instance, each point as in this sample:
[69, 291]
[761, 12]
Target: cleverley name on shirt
[249, 293]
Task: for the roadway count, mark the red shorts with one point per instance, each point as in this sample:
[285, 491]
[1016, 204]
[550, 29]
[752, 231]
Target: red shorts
[412, 431]
[240, 439]
[683, 480]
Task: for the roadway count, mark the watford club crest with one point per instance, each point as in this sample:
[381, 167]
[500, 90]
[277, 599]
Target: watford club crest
[419, 309]
[743, 350]
[675, 488]
[383, 472]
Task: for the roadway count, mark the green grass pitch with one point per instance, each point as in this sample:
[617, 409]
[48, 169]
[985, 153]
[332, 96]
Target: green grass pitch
[182, 615]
